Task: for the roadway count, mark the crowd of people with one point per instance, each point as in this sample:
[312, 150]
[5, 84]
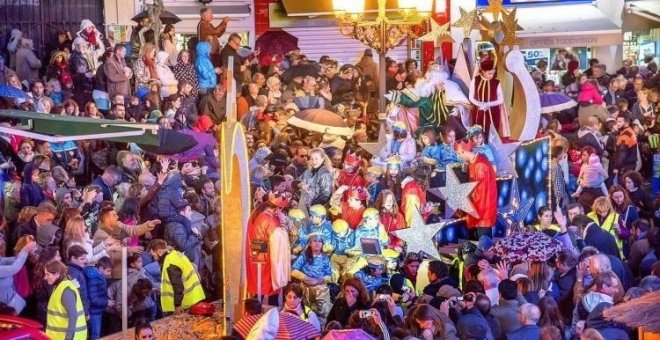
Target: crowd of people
[70, 207]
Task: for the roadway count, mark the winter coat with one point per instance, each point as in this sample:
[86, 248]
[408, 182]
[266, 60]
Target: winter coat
[118, 83]
[9, 266]
[27, 64]
[97, 290]
[320, 182]
[586, 137]
[186, 72]
[165, 75]
[369, 68]
[64, 152]
[78, 277]
[589, 93]
[31, 193]
[184, 240]
[170, 197]
[206, 77]
[99, 47]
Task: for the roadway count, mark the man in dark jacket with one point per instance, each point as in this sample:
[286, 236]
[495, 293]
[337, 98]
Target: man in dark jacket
[438, 276]
[625, 149]
[214, 104]
[107, 181]
[77, 258]
[506, 312]
[529, 316]
[564, 279]
[472, 324]
[184, 238]
[595, 236]
[240, 64]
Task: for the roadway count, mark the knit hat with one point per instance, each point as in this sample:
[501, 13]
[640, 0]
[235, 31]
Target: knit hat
[296, 214]
[261, 154]
[340, 227]
[60, 193]
[318, 210]
[375, 262]
[368, 53]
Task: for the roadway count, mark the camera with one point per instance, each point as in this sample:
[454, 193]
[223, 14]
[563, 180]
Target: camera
[365, 314]
[466, 298]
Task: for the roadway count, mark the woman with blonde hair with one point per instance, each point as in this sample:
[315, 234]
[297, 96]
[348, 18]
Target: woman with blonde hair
[75, 234]
[605, 217]
[316, 183]
[145, 66]
[540, 273]
[64, 301]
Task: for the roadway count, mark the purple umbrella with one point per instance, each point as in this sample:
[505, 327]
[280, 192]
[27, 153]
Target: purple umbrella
[276, 43]
[348, 334]
[555, 102]
[204, 143]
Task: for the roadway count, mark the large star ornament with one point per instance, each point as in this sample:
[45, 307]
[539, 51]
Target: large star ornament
[457, 194]
[467, 21]
[516, 211]
[510, 27]
[502, 152]
[421, 236]
[495, 8]
[438, 34]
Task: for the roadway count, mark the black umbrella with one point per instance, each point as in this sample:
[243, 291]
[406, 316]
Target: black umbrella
[165, 17]
[301, 70]
[171, 143]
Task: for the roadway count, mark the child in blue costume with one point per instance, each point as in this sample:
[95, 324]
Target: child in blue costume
[476, 136]
[318, 223]
[374, 274]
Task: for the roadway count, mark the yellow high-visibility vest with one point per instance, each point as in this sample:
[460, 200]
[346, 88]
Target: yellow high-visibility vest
[58, 317]
[192, 288]
[608, 225]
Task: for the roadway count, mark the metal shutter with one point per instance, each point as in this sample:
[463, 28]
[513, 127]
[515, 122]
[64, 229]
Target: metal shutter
[315, 42]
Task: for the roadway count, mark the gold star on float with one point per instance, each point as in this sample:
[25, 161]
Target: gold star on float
[421, 236]
[509, 27]
[466, 22]
[374, 148]
[457, 194]
[438, 34]
[495, 8]
[486, 28]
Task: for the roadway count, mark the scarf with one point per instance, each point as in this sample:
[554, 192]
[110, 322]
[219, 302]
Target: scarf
[151, 66]
[91, 38]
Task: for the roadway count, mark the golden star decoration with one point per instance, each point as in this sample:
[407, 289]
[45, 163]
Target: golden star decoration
[495, 8]
[486, 28]
[420, 236]
[509, 26]
[457, 194]
[438, 34]
[466, 22]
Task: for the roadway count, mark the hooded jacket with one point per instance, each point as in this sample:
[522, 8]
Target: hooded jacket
[170, 197]
[31, 193]
[206, 77]
[98, 47]
[165, 74]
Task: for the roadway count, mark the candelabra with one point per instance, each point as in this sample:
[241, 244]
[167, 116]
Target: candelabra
[382, 33]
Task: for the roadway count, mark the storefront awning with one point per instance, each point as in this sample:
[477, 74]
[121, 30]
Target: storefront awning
[57, 128]
[324, 7]
[566, 26]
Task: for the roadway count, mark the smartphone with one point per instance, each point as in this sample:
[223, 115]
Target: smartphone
[382, 297]
[365, 314]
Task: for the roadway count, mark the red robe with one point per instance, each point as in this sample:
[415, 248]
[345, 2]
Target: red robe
[352, 216]
[413, 198]
[392, 223]
[484, 195]
[486, 91]
[261, 228]
[351, 180]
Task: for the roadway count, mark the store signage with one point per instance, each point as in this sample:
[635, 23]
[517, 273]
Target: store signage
[570, 40]
[535, 55]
